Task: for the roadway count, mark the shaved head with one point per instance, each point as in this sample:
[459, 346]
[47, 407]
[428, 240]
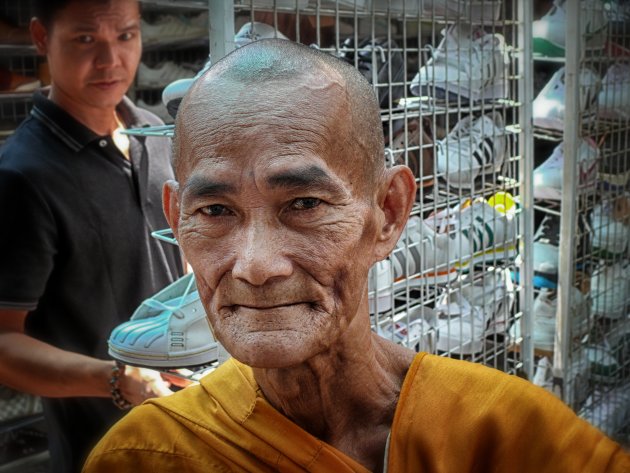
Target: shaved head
[308, 93]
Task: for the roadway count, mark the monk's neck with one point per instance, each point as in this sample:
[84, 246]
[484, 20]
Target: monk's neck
[346, 396]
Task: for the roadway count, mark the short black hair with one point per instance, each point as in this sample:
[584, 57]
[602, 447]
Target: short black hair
[46, 10]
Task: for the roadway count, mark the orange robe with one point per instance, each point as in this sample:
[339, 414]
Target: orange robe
[452, 416]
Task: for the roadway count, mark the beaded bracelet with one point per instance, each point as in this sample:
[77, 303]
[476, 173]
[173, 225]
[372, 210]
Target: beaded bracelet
[117, 398]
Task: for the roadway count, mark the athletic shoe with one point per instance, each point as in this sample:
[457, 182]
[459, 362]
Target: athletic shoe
[13, 83]
[415, 149]
[546, 250]
[544, 312]
[549, 103]
[605, 367]
[479, 230]
[614, 98]
[172, 28]
[611, 227]
[173, 93]
[474, 147]
[415, 330]
[549, 31]
[157, 109]
[548, 176]
[610, 290]
[614, 167]
[255, 31]
[168, 330]
[608, 409]
[470, 312]
[162, 75]
[421, 258]
[577, 377]
[468, 63]
[469, 10]
[381, 62]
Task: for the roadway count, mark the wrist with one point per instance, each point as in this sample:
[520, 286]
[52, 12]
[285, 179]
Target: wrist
[117, 372]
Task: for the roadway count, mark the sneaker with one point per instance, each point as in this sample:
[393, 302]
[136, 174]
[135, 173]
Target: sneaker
[415, 330]
[611, 227]
[548, 176]
[613, 99]
[381, 62]
[549, 103]
[605, 367]
[614, 167]
[480, 231]
[471, 312]
[416, 150]
[469, 10]
[474, 147]
[468, 63]
[610, 290]
[549, 31]
[157, 109]
[546, 249]
[421, 258]
[608, 409]
[162, 75]
[544, 312]
[168, 330]
[174, 92]
[255, 31]
[174, 28]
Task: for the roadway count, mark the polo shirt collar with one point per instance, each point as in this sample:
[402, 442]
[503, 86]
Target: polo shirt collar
[73, 133]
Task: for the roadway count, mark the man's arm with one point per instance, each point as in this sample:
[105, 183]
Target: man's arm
[38, 368]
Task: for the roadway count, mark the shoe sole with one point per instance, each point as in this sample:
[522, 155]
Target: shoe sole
[498, 254]
[203, 356]
[450, 93]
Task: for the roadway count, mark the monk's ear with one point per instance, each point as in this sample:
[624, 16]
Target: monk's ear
[170, 204]
[395, 199]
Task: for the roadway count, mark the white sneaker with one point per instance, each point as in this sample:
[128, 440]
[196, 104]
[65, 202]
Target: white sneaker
[610, 234]
[255, 31]
[469, 10]
[168, 330]
[610, 290]
[162, 75]
[471, 312]
[473, 147]
[608, 409]
[549, 31]
[614, 98]
[171, 28]
[158, 110]
[548, 176]
[549, 104]
[479, 230]
[415, 330]
[420, 258]
[544, 311]
[546, 251]
[468, 62]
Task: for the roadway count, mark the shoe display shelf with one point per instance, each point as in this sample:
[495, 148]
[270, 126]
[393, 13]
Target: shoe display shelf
[446, 288]
[21, 71]
[581, 122]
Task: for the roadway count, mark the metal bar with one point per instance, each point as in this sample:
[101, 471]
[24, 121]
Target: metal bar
[221, 13]
[566, 265]
[526, 170]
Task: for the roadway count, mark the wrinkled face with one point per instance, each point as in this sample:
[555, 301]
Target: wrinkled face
[274, 219]
[93, 51]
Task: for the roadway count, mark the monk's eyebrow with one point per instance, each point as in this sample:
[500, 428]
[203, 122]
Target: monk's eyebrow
[305, 179]
[199, 186]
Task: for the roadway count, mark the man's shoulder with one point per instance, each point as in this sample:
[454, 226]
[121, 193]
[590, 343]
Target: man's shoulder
[26, 145]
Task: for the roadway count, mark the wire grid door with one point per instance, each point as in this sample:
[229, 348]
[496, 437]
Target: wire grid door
[448, 77]
[591, 359]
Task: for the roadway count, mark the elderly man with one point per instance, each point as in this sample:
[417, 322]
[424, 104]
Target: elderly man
[282, 204]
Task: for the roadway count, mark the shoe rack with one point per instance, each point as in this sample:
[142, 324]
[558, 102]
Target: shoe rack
[588, 362]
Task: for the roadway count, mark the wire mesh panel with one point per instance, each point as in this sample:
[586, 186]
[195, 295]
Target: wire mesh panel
[447, 76]
[580, 185]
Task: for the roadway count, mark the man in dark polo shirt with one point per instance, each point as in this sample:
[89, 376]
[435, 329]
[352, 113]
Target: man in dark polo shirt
[78, 201]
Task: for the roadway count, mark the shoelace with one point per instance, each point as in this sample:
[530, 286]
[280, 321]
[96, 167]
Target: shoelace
[176, 309]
